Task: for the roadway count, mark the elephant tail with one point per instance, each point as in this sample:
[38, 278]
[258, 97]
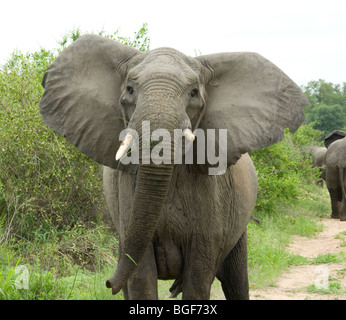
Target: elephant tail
[342, 181]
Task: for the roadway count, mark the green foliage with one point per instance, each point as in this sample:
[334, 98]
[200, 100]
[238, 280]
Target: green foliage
[328, 117]
[45, 284]
[328, 106]
[69, 37]
[334, 287]
[325, 92]
[283, 168]
[305, 137]
[46, 181]
[141, 40]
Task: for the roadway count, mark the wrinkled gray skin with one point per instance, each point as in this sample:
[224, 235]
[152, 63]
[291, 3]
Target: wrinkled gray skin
[336, 177]
[318, 158]
[173, 221]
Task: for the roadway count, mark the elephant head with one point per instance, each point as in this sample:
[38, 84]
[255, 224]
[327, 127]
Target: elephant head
[98, 87]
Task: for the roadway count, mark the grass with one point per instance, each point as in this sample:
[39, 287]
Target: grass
[330, 258]
[267, 244]
[334, 287]
[80, 284]
[73, 266]
[342, 236]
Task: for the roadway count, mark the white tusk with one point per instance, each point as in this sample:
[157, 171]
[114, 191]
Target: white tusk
[123, 146]
[189, 135]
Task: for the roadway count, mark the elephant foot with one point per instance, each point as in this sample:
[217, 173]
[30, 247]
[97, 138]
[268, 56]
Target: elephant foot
[334, 216]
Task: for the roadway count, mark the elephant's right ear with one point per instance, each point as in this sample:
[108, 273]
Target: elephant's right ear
[82, 92]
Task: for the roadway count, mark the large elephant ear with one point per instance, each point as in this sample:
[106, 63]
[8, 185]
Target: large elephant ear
[333, 136]
[82, 91]
[251, 98]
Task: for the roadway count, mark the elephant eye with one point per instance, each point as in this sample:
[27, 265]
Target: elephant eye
[130, 89]
[194, 93]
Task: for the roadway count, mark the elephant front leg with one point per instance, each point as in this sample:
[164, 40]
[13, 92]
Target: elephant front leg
[334, 198]
[199, 271]
[142, 285]
[197, 283]
[233, 272]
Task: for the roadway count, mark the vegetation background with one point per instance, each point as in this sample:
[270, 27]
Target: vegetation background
[53, 219]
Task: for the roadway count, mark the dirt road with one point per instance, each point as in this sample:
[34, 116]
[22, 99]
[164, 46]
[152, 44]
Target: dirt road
[313, 281]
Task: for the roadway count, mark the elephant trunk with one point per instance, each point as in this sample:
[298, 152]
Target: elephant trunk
[153, 182]
[152, 187]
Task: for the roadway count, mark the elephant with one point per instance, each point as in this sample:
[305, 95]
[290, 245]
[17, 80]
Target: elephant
[333, 136]
[184, 220]
[318, 155]
[335, 160]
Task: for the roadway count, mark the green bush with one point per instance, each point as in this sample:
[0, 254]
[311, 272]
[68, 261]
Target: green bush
[45, 181]
[284, 168]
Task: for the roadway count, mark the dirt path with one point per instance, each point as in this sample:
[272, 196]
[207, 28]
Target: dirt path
[293, 284]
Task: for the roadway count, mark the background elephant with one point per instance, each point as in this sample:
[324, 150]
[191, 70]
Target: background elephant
[174, 221]
[318, 161]
[336, 177]
[318, 154]
[333, 136]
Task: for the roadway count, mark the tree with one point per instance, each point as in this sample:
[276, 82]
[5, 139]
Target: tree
[328, 118]
[328, 105]
[322, 92]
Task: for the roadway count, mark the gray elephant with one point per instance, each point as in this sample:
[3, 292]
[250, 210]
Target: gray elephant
[318, 154]
[318, 161]
[336, 177]
[182, 220]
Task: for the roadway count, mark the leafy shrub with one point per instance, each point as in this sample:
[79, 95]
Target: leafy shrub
[46, 181]
[284, 168]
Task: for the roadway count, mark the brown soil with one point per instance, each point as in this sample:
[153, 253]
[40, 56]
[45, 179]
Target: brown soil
[292, 285]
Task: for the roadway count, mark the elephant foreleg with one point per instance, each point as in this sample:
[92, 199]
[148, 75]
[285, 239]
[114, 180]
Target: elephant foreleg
[233, 272]
[199, 271]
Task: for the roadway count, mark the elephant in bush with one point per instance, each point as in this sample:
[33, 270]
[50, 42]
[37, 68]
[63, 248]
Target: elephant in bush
[182, 219]
[318, 156]
[336, 177]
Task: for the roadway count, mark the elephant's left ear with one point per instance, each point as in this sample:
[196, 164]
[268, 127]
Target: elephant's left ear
[251, 98]
[82, 91]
